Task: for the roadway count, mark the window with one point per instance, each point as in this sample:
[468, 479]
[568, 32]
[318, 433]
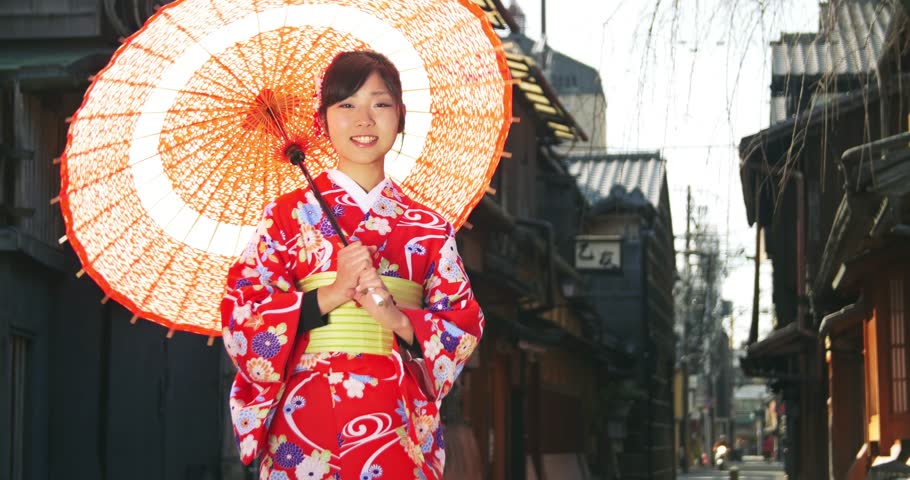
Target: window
[18, 405]
[898, 347]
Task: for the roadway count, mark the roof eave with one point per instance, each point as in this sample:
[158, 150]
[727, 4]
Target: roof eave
[753, 149]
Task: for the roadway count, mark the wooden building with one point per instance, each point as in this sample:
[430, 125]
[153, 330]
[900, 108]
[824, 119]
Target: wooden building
[532, 405]
[865, 264]
[826, 185]
[625, 251]
[83, 394]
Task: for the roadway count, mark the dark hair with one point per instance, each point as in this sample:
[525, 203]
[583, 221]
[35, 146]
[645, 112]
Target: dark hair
[350, 70]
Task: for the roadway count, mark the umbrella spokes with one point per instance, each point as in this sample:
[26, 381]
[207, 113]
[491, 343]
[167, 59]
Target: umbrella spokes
[270, 112]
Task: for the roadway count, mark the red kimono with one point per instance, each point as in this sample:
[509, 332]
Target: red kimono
[312, 413]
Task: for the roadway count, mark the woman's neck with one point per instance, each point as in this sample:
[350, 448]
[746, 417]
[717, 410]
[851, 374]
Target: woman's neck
[367, 176]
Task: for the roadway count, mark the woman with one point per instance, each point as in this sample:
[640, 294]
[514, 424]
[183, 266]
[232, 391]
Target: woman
[320, 390]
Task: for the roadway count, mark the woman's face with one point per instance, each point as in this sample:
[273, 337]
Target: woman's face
[363, 127]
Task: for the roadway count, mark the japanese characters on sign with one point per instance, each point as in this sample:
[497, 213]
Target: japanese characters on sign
[598, 252]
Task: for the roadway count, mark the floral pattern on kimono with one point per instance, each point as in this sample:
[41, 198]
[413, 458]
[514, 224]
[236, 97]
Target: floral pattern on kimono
[341, 415]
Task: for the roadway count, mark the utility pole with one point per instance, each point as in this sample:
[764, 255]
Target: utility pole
[684, 423]
[542, 59]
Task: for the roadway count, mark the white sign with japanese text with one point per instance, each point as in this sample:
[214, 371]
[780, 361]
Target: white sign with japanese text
[598, 252]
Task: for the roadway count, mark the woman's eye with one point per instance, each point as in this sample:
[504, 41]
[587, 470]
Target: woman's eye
[383, 105]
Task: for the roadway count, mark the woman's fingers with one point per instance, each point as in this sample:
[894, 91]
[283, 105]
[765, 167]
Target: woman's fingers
[352, 261]
[354, 254]
[370, 274]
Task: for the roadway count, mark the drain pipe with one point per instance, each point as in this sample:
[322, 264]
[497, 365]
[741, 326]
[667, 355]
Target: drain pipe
[549, 250]
[800, 249]
[800, 182]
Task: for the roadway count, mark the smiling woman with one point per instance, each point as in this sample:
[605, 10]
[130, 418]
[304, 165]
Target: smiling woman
[321, 389]
[362, 115]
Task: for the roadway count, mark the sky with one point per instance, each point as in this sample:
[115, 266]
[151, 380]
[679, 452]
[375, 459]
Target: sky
[690, 81]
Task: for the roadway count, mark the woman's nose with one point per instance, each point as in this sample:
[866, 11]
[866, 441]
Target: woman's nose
[364, 118]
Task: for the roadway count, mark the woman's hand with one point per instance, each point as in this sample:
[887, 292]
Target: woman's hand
[353, 260]
[370, 288]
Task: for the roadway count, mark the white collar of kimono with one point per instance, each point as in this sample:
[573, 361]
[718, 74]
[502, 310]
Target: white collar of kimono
[364, 200]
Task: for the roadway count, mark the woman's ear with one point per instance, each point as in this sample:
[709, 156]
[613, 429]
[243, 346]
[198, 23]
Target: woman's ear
[401, 114]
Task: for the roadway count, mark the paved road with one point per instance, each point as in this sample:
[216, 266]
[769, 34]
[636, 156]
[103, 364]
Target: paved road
[752, 469]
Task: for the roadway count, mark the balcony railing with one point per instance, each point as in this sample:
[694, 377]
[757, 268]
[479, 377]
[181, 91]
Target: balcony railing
[74, 19]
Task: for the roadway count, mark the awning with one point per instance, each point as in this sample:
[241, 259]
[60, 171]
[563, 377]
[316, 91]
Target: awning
[783, 341]
[42, 68]
[853, 273]
[769, 357]
[842, 320]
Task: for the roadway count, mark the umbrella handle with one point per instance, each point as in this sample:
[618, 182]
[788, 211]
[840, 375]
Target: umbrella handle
[296, 156]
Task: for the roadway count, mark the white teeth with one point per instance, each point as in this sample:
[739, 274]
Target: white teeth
[364, 139]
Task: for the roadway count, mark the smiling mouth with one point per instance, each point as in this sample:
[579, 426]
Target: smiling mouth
[364, 140]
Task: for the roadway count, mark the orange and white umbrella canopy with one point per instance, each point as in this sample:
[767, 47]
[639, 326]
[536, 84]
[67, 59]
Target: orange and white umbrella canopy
[173, 154]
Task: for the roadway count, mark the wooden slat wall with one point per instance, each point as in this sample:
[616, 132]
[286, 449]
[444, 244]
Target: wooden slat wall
[24, 19]
[41, 130]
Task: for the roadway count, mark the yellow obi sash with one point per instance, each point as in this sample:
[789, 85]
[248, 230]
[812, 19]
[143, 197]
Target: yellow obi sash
[351, 329]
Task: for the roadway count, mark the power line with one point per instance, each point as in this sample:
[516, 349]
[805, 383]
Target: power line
[706, 146]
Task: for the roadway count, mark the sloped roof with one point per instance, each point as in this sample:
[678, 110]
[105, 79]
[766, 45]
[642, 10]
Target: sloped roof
[842, 54]
[536, 89]
[619, 177]
[567, 75]
[849, 42]
[497, 14]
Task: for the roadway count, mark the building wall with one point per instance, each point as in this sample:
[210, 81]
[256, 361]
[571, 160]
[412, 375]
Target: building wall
[619, 293]
[636, 305]
[106, 398]
[590, 111]
[25, 346]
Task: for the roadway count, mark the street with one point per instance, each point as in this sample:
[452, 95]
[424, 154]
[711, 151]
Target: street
[753, 468]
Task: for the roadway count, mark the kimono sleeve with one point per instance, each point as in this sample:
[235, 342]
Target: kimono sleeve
[450, 327]
[260, 310]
